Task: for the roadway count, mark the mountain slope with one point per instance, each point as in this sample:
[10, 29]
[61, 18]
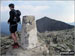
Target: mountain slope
[48, 24]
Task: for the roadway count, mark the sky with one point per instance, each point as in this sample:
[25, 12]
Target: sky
[58, 10]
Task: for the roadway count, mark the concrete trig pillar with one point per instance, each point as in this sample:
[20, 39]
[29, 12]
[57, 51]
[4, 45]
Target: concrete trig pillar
[29, 32]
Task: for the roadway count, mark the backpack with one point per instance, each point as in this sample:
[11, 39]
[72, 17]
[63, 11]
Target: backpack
[17, 16]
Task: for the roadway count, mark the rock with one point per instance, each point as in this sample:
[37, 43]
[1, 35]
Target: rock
[5, 43]
[29, 32]
[58, 41]
[48, 24]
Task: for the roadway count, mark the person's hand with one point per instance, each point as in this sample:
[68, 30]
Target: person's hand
[8, 22]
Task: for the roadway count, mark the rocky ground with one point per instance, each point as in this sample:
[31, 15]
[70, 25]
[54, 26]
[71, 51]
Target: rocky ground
[7, 50]
[58, 41]
[50, 44]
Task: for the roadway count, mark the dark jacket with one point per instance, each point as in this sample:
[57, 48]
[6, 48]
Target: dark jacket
[11, 18]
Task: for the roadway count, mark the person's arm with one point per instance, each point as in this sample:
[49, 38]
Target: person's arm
[11, 17]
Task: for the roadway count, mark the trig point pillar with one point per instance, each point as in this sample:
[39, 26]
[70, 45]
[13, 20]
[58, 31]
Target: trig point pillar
[29, 32]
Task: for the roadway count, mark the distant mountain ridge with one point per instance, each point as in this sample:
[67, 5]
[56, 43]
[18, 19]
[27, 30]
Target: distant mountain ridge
[43, 24]
[73, 23]
[48, 24]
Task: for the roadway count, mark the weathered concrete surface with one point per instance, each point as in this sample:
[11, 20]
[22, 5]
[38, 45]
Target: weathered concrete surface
[29, 32]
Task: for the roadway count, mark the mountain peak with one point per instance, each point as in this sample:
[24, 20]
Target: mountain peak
[48, 24]
[45, 17]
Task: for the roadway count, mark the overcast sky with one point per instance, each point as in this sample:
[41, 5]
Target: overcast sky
[59, 10]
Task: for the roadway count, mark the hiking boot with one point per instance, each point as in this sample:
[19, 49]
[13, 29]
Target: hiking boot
[15, 45]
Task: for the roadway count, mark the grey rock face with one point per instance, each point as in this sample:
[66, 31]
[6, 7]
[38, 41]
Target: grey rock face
[48, 24]
[29, 32]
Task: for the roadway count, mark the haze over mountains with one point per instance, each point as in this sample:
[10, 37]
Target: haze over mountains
[5, 28]
[73, 23]
[43, 24]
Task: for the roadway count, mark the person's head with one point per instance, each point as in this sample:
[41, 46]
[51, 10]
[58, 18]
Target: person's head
[11, 6]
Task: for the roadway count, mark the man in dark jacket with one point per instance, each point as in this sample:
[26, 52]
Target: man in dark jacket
[13, 25]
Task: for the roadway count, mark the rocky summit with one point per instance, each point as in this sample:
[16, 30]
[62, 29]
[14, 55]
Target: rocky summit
[35, 43]
[28, 40]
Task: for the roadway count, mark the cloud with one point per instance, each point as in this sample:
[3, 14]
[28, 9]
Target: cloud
[32, 8]
[4, 8]
[59, 10]
[26, 10]
[26, 7]
[37, 11]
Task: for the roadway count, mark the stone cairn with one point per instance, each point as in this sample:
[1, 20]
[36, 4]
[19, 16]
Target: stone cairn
[29, 33]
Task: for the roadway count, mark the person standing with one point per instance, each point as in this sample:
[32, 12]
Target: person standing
[13, 23]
